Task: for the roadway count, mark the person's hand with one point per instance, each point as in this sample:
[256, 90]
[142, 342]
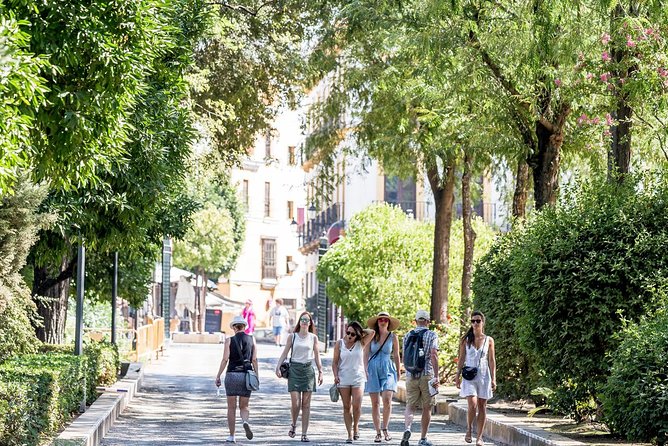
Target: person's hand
[217, 381]
[494, 385]
[319, 377]
[458, 382]
[278, 372]
[337, 380]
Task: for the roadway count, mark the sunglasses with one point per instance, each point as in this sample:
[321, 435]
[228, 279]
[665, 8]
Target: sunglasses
[305, 320]
[476, 321]
[351, 333]
[383, 319]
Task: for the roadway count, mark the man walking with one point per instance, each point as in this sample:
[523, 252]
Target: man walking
[421, 364]
[280, 319]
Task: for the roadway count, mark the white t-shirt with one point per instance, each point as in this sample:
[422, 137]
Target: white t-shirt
[279, 316]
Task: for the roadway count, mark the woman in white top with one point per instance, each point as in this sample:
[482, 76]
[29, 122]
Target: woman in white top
[350, 374]
[301, 380]
[477, 350]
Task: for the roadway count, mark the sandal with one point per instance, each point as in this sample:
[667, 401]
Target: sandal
[378, 438]
[388, 437]
[479, 442]
[291, 432]
[356, 436]
[305, 439]
[467, 437]
[349, 440]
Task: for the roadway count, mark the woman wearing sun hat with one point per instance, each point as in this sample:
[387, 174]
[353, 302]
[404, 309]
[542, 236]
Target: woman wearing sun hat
[382, 358]
[239, 349]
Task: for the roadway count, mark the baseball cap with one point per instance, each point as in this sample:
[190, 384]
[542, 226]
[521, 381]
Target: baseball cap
[422, 314]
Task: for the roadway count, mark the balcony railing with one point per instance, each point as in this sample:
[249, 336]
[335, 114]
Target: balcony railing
[484, 210]
[312, 230]
[418, 210]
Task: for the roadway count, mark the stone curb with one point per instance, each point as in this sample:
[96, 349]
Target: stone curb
[91, 426]
[500, 428]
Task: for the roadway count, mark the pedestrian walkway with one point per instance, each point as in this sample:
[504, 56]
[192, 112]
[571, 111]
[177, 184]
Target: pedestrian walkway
[178, 405]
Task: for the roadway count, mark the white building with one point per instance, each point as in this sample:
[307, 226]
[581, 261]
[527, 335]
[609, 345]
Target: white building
[270, 185]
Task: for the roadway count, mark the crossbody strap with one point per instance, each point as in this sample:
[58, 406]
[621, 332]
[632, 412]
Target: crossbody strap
[482, 351]
[381, 347]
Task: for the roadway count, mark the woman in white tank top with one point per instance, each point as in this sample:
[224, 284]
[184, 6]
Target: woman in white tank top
[301, 380]
[350, 374]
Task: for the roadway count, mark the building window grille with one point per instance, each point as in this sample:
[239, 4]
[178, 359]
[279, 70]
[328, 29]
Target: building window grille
[268, 259]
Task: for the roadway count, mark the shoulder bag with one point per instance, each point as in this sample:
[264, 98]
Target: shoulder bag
[469, 373]
[284, 369]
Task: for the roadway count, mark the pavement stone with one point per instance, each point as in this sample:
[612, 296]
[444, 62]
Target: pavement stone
[178, 405]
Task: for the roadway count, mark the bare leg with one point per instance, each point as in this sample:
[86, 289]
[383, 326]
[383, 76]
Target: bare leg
[346, 398]
[387, 408]
[425, 420]
[243, 408]
[375, 410]
[482, 417]
[231, 413]
[306, 411]
[470, 416]
[295, 398]
[357, 393]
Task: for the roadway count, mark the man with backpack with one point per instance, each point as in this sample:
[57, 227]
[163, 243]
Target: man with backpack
[421, 364]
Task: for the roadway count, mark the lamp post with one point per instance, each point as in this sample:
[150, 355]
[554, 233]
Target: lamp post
[293, 227]
[311, 211]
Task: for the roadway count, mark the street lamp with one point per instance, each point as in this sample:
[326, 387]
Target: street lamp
[311, 211]
[293, 227]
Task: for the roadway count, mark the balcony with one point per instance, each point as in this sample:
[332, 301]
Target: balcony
[310, 232]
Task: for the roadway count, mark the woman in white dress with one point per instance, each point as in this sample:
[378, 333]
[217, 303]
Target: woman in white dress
[350, 374]
[476, 350]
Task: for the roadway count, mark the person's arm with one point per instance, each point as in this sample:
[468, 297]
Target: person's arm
[223, 362]
[288, 346]
[367, 336]
[254, 357]
[316, 353]
[492, 362]
[395, 352]
[367, 349]
[335, 361]
[461, 360]
[434, 364]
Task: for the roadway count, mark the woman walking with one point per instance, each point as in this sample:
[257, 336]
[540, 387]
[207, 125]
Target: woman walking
[382, 358]
[249, 316]
[239, 354]
[349, 370]
[303, 345]
[477, 350]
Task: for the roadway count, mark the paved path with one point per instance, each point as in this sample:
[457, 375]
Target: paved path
[178, 405]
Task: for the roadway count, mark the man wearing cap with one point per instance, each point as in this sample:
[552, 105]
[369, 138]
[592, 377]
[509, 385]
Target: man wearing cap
[417, 385]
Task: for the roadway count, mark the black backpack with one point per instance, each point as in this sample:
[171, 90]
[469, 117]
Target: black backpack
[415, 358]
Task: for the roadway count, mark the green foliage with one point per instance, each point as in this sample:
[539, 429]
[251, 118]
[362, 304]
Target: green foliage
[13, 413]
[55, 386]
[382, 264]
[635, 396]
[19, 223]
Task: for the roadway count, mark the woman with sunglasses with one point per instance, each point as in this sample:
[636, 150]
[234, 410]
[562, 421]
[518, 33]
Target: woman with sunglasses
[382, 359]
[350, 374]
[301, 380]
[477, 350]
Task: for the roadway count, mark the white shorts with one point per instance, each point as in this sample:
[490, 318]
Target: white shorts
[480, 386]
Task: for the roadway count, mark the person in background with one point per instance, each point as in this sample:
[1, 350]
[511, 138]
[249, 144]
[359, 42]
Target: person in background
[249, 316]
[350, 374]
[239, 349]
[301, 380]
[382, 359]
[417, 385]
[280, 319]
[477, 350]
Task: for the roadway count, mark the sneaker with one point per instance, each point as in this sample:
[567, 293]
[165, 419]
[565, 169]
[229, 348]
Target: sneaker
[230, 439]
[249, 432]
[404, 439]
[425, 442]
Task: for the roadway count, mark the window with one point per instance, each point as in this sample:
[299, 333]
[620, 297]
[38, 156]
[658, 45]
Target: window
[291, 210]
[268, 258]
[290, 266]
[292, 160]
[267, 199]
[244, 193]
[267, 146]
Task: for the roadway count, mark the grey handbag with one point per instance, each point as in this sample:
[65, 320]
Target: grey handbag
[334, 393]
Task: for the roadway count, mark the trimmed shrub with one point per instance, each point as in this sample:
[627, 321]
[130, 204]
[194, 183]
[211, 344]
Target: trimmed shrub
[14, 410]
[635, 396]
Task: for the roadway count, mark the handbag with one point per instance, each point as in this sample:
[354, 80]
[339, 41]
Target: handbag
[469, 373]
[334, 393]
[252, 381]
[284, 368]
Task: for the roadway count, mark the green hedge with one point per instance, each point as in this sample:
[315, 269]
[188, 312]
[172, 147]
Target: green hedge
[635, 396]
[14, 414]
[55, 384]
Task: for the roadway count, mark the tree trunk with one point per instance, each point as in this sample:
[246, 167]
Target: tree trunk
[469, 243]
[521, 189]
[444, 200]
[50, 295]
[545, 165]
[619, 155]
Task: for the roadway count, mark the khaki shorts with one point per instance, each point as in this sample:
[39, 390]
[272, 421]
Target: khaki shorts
[417, 391]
